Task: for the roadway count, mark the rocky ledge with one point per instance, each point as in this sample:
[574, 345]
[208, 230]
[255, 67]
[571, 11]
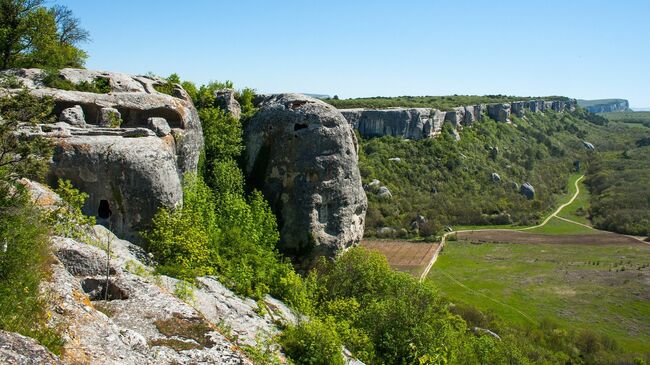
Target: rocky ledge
[125, 144]
[419, 123]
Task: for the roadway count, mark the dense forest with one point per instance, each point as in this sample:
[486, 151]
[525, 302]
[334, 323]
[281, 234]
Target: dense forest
[437, 102]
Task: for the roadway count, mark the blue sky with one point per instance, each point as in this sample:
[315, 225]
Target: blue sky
[583, 49]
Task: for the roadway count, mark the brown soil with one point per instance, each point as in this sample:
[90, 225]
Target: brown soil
[524, 237]
[411, 257]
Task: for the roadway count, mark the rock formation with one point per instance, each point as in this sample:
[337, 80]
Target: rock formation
[407, 123]
[419, 123]
[127, 148]
[302, 154]
[605, 105]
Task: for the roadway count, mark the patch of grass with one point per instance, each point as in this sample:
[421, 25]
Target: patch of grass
[190, 328]
[578, 286]
[559, 226]
[578, 210]
[99, 85]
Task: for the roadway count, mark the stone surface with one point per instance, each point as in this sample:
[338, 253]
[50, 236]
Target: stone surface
[109, 118]
[527, 190]
[499, 112]
[411, 123]
[135, 170]
[588, 145]
[518, 108]
[226, 100]
[73, 115]
[384, 193]
[302, 154]
[418, 123]
[17, 349]
[159, 126]
[495, 177]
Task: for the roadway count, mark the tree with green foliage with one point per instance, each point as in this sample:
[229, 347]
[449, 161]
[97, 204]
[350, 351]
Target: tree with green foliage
[32, 35]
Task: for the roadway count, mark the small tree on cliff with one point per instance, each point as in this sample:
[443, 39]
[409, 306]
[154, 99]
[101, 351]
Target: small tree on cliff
[32, 35]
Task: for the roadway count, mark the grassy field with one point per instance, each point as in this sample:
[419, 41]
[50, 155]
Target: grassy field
[558, 226]
[604, 287]
[577, 211]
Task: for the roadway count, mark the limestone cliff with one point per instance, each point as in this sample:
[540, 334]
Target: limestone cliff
[419, 123]
[127, 147]
[605, 105]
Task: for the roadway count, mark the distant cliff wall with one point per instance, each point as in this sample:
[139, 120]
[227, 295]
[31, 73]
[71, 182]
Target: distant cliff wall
[605, 105]
[419, 123]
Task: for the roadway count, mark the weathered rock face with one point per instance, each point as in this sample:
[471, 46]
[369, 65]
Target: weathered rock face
[302, 154]
[226, 101]
[518, 108]
[604, 106]
[418, 123]
[499, 112]
[402, 122]
[127, 149]
[18, 349]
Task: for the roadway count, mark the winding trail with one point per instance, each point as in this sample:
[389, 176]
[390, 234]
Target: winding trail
[434, 258]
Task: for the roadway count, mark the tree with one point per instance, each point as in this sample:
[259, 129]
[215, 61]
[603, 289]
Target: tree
[32, 35]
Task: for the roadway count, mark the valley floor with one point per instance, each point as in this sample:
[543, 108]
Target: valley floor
[562, 270]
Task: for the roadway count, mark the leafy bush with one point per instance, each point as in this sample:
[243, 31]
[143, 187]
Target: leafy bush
[99, 85]
[313, 342]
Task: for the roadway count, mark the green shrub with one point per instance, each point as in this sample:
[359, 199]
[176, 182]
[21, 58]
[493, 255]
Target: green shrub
[313, 342]
[99, 85]
[67, 219]
[185, 240]
[24, 257]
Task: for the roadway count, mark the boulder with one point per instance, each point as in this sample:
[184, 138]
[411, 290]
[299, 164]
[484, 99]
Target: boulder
[527, 190]
[159, 126]
[494, 152]
[303, 155]
[128, 170]
[225, 99]
[374, 183]
[73, 116]
[495, 177]
[395, 159]
[384, 193]
[589, 146]
[20, 350]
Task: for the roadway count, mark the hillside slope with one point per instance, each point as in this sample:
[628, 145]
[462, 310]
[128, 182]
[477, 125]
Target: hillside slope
[478, 179]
